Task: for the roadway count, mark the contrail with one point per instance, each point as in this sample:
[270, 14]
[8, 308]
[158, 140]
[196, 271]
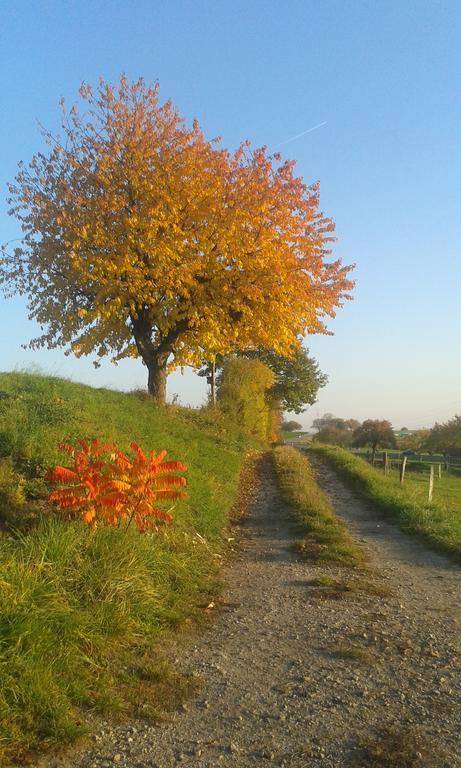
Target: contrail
[303, 133]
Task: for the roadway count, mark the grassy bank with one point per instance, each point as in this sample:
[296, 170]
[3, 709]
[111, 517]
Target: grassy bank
[82, 612]
[438, 523]
[324, 537]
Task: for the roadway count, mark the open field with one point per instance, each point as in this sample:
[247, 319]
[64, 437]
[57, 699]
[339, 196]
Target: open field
[83, 612]
[292, 435]
[439, 522]
[447, 489]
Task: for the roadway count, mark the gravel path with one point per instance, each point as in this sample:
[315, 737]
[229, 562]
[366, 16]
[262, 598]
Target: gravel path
[294, 674]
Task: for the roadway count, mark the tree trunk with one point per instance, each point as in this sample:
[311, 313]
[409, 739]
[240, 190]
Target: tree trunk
[213, 381]
[156, 382]
[155, 355]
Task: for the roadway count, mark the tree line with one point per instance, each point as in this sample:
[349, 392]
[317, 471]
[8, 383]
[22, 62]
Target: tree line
[441, 438]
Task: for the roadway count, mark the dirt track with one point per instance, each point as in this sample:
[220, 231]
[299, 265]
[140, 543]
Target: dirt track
[281, 682]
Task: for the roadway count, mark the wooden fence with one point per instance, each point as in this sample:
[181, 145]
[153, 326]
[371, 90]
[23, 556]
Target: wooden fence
[431, 466]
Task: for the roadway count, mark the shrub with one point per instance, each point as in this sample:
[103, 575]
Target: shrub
[103, 485]
[242, 387]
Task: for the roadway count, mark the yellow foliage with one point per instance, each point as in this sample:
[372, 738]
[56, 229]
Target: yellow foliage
[143, 238]
[242, 388]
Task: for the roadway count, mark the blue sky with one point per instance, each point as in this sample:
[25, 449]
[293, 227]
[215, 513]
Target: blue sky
[385, 77]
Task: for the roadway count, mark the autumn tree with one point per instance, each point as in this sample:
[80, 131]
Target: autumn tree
[143, 239]
[374, 433]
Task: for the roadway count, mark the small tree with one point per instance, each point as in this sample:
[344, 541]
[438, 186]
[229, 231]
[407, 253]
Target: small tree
[242, 388]
[374, 433]
[297, 379]
[328, 420]
[414, 440]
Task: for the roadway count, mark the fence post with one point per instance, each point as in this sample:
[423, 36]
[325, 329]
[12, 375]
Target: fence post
[431, 484]
[385, 462]
[440, 471]
[402, 470]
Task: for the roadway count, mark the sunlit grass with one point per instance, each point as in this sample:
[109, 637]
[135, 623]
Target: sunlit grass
[324, 537]
[83, 613]
[439, 522]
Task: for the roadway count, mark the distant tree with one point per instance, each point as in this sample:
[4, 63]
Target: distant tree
[143, 239]
[374, 433]
[291, 426]
[330, 421]
[444, 436]
[322, 421]
[414, 440]
[333, 435]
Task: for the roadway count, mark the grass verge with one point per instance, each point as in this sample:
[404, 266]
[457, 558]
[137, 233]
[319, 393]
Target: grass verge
[84, 615]
[438, 523]
[325, 538]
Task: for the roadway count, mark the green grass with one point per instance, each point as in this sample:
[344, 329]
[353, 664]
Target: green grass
[325, 538]
[446, 492]
[419, 463]
[439, 523]
[285, 435]
[84, 614]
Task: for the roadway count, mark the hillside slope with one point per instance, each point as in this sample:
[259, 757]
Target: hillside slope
[82, 610]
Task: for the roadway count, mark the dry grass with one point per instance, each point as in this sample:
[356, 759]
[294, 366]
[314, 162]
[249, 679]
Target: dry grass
[398, 748]
[335, 589]
[352, 652]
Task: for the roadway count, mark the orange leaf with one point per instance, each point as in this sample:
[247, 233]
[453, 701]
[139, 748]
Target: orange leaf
[60, 474]
[89, 515]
